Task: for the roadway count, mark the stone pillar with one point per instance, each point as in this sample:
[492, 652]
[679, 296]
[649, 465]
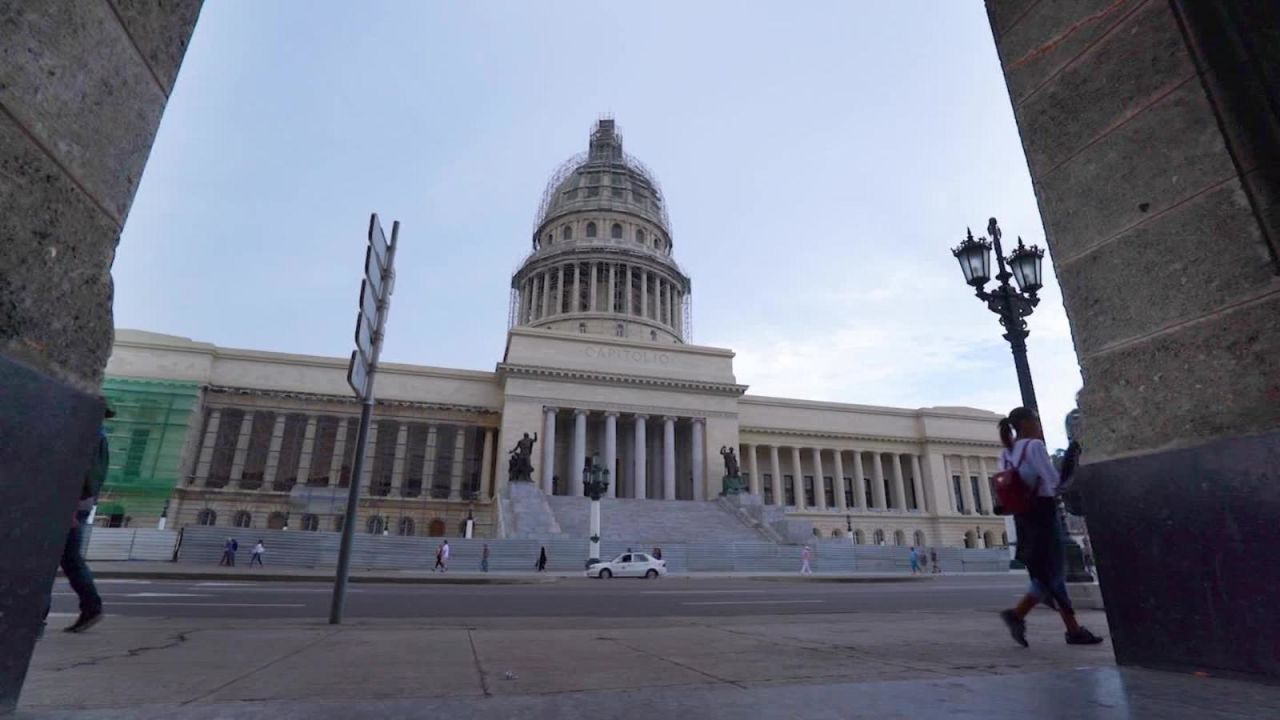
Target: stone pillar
[859, 482]
[641, 451]
[699, 458]
[841, 504]
[668, 458]
[578, 456]
[546, 295]
[548, 448]
[757, 488]
[594, 300]
[917, 481]
[308, 447]
[797, 475]
[899, 486]
[611, 451]
[644, 297]
[370, 447]
[242, 447]
[966, 487]
[486, 465]
[459, 463]
[429, 461]
[339, 450]
[626, 296]
[207, 445]
[819, 484]
[397, 464]
[877, 481]
[984, 488]
[779, 492]
[613, 280]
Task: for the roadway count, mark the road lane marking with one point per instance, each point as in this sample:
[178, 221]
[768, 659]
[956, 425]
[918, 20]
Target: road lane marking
[206, 604]
[703, 592]
[165, 594]
[753, 602]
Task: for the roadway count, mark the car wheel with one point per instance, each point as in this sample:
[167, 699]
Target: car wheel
[605, 574]
[651, 575]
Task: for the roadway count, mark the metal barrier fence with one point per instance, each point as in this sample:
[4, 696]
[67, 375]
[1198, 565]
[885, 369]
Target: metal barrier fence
[130, 544]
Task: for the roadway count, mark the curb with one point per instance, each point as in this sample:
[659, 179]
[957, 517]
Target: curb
[353, 579]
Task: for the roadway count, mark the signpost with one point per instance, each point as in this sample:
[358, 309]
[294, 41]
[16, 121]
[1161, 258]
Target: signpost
[371, 323]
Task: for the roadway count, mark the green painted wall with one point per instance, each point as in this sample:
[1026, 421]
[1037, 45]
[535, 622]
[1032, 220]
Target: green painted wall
[147, 437]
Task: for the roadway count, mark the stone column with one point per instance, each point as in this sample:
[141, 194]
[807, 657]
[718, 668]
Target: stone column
[397, 463]
[641, 450]
[899, 486]
[339, 450]
[613, 281]
[370, 447]
[611, 451]
[966, 486]
[984, 488]
[486, 465]
[668, 458]
[308, 447]
[429, 462]
[877, 481]
[548, 448]
[273, 454]
[626, 296]
[546, 294]
[575, 304]
[859, 482]
[917, 481]
[779, 492]
[579, 454]
[841, 504]
[242, 447]
[699, 458]
[797, 478]
[757, 488]
[459, 464]
[819, 484]
[594, 300]
[207, 445]
[644, 297]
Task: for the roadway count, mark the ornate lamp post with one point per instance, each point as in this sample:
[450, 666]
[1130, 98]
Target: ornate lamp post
[595, 483]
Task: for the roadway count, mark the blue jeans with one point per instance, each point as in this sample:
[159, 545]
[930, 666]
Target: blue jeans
[77, 571]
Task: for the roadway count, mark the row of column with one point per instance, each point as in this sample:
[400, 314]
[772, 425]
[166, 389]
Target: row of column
[340, 456]
[640, 423]
[969, 469]
[895, 500]
[542, 294]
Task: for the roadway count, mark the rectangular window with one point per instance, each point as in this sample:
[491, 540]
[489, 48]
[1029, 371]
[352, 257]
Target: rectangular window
[848, 492]
[914, 502]
[348, 453]
[442, 468]
[767, 486]
[866, 492]
[809, 500]
[323, 445]
[255, 460]
[384, 458]
[888, 493]
[829, 490]
[789, 487]
[959, 495]
[977, 495]
[616, 192]
[224, 448]
[416, 457]
[295, 432]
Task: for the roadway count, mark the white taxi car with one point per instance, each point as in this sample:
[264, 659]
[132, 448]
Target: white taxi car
[632, 564]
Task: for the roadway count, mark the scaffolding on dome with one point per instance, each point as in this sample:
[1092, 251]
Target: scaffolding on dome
[573, 164]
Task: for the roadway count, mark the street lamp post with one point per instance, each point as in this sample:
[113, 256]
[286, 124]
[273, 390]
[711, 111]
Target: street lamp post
[1024, 265]
[595, 483]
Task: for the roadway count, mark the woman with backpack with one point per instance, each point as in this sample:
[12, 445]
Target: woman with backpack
[1028, 486]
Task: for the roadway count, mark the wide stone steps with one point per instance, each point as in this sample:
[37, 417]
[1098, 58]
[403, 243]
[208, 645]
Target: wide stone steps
[650, 522]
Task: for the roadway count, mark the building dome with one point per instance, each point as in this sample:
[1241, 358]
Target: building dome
[601, 261]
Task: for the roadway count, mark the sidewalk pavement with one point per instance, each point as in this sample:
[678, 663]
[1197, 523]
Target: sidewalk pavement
[192, 571]
[955, 664]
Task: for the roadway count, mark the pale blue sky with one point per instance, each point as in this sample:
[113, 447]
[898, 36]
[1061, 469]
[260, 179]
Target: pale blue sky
[819, 160]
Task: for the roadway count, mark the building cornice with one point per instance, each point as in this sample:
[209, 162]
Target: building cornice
[954, 413]
[862, 437]
[506, 370]
[627, 409]
[350, 400]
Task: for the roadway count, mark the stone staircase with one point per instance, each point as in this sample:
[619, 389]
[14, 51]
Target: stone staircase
[657, 522]
[526, 514]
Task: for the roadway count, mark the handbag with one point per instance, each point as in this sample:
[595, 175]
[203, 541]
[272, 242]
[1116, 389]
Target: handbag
[1015, 496]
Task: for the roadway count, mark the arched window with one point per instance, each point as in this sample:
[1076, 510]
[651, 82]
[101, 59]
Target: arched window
[207, 517]
[242, 519]
[582, 327]
[858, 537]
[640, 236]
[919, 538]
[899, 538]
[375, 525]
[879, 537]
[406, 527]
[591, 229]
[567, 233]
[836, 533]
[620, 331]
[615, 232]
[970, 539]
[436, 528]
[277, 521]
[310, 523]
[653, 335]
[989, 539]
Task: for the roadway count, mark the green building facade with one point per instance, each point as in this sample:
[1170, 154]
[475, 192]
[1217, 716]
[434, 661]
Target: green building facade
[147, 437]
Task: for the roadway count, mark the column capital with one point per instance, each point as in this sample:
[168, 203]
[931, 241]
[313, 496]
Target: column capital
[697, 421]
[580, 411]
[641, 416]
[611, 413]
[669, 418]
[549, 408]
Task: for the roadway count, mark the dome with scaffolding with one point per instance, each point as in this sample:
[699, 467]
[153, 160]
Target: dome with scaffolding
[603, 178]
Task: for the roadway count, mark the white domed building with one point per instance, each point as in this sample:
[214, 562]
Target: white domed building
[598, 364]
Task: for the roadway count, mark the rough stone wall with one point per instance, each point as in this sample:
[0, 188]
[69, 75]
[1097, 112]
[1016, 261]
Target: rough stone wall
[1154, 210]
[82, 88]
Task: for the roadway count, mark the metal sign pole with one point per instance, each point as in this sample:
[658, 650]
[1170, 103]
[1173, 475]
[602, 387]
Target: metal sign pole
[362, 435]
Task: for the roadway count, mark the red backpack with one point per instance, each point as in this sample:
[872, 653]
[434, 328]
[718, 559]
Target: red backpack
[1014, 495]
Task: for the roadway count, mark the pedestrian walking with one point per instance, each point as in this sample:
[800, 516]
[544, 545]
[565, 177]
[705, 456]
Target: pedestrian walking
[439, 558]
[805, 556]
[256, 557]
[444, 557]
[72, 562]
[933, 561]
[235, 548]
[1025, 468]
[915, 561]
[226, 554]
[657, 553]
[542, 559]
[484, 558]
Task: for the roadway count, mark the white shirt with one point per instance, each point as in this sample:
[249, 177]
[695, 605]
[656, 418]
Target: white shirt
[444, 552]
[1034, 466]
[257, 549]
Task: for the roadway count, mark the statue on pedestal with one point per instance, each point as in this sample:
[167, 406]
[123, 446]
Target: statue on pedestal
[732, 483]
[520, 464]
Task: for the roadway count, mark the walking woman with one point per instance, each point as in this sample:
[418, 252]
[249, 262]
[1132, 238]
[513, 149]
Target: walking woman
[1039, 528]
[542, 559]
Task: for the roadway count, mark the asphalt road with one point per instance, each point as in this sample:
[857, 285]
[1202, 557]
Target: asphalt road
[668, 597]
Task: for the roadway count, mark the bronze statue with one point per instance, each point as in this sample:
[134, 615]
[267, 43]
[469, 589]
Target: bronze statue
[520, 466]
[731, 468]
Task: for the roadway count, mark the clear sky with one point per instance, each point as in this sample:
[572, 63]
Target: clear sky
[819, 160]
